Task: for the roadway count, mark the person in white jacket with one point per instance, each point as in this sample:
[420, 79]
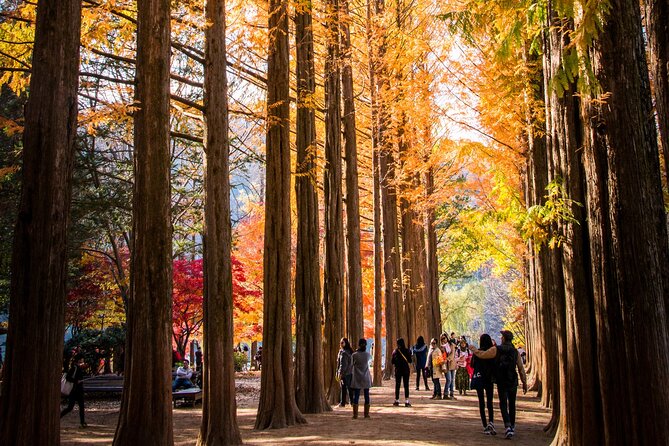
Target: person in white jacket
[184, 374]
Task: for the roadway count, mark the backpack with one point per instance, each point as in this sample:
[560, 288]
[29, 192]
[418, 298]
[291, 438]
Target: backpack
[505, 365]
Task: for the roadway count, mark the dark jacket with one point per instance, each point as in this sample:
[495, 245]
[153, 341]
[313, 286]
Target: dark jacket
[421, 356]
[485, 367]
[401, 360]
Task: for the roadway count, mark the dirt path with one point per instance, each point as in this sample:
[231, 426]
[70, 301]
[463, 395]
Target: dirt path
[428, 422]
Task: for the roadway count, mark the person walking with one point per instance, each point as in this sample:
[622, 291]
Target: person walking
[75, 374]
[435, 363]
[361, 379]
[507, 361]
[401, 360]
[482, 382]
[345, 370]
[462, 355]
[420, 353]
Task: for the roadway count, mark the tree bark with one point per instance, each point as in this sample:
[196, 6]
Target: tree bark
[219, 406]
[277, 407]
[628, 234]
[148, 353]
[334, 227]
[309, 373]
[378, 253]
[354, 314]
[432, 276]
[30, 392]
[657, 27]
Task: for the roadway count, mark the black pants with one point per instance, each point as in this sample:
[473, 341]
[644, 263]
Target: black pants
[345, 385]
[484, 394]
[421, 372]
[398, 379]
[507, 404]
[76, 396]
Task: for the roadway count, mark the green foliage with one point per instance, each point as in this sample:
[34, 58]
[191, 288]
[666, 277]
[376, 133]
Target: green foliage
[541, 221]
[95, 345]
[462, 308]
[241, 360]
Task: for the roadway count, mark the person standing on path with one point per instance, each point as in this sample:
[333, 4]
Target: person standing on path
[482, 382]
[507, 360]
[448, 346]
[420, 352]
[462, 354]
[74, 375]
[435, 363]
[345, 370]
[362, 379]
[401, 360]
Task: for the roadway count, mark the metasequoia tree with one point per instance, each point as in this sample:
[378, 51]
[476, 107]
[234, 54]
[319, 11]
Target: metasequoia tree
[657, 27]
[376, 186]
[219, 408]
[333, 299]
[394, 314]
[309, 374]
[277, 407]
[354, 317]
[30, 393]
[146, 405]
[627, 233]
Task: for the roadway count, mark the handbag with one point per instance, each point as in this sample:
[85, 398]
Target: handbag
[477, 381]
[65, 385]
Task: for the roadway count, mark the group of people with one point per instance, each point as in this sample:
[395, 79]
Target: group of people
[463, 366]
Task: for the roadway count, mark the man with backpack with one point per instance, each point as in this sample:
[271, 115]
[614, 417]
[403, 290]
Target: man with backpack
[507, 360]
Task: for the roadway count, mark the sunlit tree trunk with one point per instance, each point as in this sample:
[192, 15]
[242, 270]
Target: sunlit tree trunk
[378, 253]
[333, 300]
[219, 407]
[354, 321]
[657, 28]
[277, 407]
[432, 276]
[146, 405]
[309, 373]
[30, 382]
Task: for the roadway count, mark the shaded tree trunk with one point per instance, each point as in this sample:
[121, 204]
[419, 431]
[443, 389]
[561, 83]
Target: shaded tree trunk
[628, 235]
[149, 324]
[309, 374]
[334, 226]
[354, 316]
[219, 407]
[277, 407]
[30, 392]
[148, 353]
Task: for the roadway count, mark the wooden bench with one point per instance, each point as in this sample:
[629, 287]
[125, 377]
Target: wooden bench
[103, 384]
[192, 396]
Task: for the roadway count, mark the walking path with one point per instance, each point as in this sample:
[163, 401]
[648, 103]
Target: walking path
[427, 422]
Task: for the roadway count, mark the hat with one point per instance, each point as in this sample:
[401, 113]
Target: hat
[186, 360]
[507, 335]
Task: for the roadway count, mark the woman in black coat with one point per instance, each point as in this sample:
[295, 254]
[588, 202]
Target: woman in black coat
[74, 375]
[401, 360]
[482, 382]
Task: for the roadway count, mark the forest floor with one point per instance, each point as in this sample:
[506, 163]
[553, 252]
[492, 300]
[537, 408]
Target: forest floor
[427, 422]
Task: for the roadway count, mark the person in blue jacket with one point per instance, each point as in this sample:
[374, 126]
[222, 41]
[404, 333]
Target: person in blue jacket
[419, 351]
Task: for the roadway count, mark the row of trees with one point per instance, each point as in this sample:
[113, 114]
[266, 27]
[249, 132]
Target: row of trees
[596, 274]
[149, 294]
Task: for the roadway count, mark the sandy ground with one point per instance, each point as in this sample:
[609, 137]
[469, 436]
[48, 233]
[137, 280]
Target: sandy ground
[427, 422]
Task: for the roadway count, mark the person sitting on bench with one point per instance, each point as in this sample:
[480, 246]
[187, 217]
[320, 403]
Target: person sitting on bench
[184, 374]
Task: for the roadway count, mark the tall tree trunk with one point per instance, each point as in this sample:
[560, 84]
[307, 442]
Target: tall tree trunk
[657, 27]
[354, 316]
[309, 373]
[334, 225]
[219, 407]
[30, 392]
[277, 407]
[628, 235]
[148, 353]
[378, 253]
[432, 277]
